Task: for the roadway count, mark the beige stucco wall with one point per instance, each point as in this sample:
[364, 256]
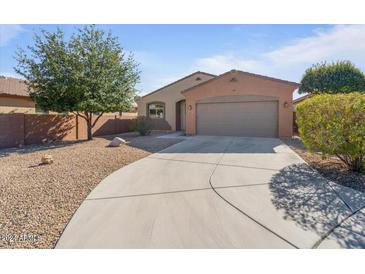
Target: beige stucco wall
[16, 104]
[170, 95]
[245, 84]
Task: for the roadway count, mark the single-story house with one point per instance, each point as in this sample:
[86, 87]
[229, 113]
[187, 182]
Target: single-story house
[235, 103]
[14, 96]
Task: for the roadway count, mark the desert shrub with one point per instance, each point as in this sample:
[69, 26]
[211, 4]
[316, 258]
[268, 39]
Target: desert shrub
[335, 125]
[142, 125]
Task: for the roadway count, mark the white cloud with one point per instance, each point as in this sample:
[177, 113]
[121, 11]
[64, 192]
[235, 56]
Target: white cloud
[8, 32]
[290, 61]
[218, 64]
[341, 42]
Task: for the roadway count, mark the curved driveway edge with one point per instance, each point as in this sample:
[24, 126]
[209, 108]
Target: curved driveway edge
[166, 200]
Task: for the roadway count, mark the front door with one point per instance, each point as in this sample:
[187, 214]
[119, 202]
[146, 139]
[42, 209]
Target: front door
[183, 116]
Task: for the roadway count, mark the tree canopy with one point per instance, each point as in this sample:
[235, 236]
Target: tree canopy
[338, 77]
[89, 73]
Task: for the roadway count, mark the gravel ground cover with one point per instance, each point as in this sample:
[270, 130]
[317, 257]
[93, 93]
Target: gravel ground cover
[37, 201]
[332, 168]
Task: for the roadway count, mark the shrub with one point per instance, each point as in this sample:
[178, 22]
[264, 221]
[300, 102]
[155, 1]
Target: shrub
[339, 77]
[142, 125]
[335, 125]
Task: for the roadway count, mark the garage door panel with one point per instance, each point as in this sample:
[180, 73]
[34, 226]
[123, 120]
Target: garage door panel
[252, 119]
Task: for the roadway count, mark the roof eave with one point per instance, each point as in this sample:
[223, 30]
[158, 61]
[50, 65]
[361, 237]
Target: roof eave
[181, 79]
[294, 84]
[13, 95]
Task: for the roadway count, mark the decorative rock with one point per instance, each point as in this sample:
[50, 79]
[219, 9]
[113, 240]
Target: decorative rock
[47, 159]
[117, 141]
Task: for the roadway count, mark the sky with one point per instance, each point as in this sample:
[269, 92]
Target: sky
[166, 53]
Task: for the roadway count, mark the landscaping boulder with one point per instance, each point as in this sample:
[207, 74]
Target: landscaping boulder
[117, 141]
[47, 159]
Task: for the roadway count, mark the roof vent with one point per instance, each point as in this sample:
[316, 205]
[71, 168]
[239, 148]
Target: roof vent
[198, 79]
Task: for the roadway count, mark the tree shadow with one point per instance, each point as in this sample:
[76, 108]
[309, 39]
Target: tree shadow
[306, 198]
[351, 234]
[332, 168]
[227, 144]
[37, 147]
[154, 145]
[41, 129]
[43, 132]
[337, 172]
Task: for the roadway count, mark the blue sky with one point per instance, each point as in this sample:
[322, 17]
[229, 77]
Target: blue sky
[169, 52]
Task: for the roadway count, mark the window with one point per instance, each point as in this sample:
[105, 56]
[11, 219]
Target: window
[156, 110]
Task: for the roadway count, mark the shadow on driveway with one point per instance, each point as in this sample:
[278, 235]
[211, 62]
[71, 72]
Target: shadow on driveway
[149, 143]
[226, 144]
[306, 198]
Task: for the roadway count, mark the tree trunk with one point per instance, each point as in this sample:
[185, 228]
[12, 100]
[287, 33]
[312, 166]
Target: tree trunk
[89, 124]
[357, 164]
[88, 116]
[89, 129]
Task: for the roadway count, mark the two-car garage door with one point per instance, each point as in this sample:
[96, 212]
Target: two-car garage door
[252, 119]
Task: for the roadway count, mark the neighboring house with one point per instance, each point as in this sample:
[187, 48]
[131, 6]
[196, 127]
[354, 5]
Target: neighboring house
[235, 103]
[295, 103]
[14, 96]
[298, 100]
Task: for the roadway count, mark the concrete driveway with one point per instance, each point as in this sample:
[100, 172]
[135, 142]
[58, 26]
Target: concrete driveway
[218, 192]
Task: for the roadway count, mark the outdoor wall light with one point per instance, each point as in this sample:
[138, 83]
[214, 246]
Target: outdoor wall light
[286, 104]
[234, 79]
[190, 107]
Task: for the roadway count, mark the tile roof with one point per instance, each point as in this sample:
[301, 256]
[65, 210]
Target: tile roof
[197, 72]
[13, 86]
[247, 73]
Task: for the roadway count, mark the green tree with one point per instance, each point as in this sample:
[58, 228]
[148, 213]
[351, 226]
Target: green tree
[88, 75]
[335, 125]
[338, 77]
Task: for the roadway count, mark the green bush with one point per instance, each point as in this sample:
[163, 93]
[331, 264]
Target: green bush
[142, 125]
[339, 77]
[335, 125]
